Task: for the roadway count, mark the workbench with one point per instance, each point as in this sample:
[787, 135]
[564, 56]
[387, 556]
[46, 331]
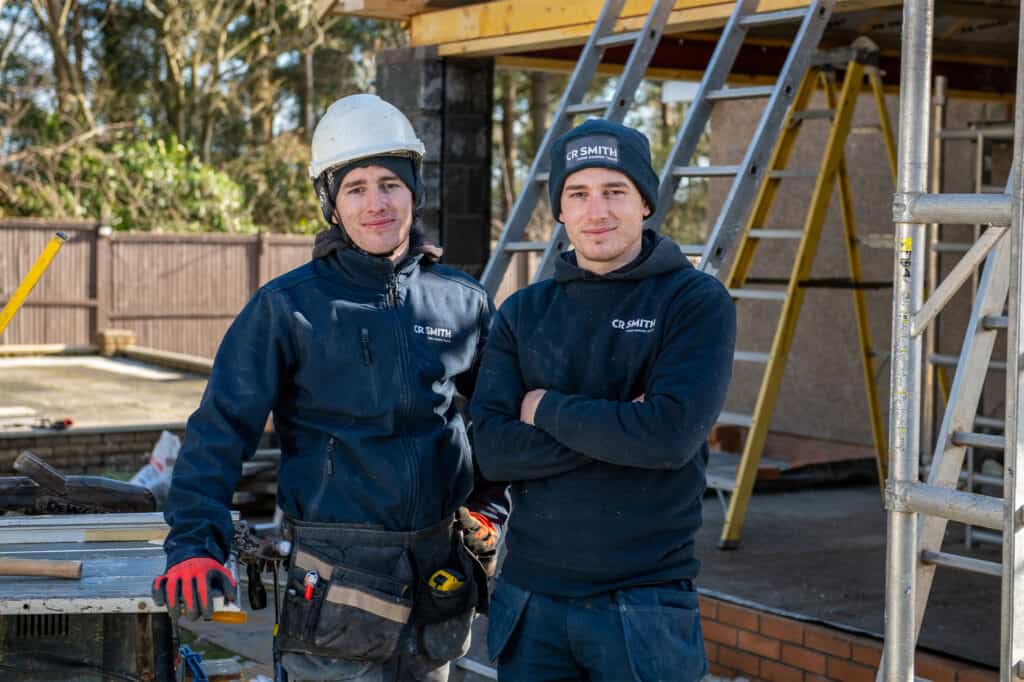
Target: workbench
[103, 626]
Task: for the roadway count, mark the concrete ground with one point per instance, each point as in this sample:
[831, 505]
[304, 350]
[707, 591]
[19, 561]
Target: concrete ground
[94, 391]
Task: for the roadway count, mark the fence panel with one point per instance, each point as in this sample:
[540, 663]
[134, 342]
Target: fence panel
[177, 292]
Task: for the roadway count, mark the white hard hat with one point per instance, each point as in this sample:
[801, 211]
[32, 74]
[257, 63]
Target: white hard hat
[360, 126]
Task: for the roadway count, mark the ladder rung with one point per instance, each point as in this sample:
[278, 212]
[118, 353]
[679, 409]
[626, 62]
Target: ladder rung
[794, 173]
[704, 171]
[979, 440]
[952, 247]
[542, 177]
[759, 233]
[525, 247]
[866, 130]
[616, 39]
[758, 294]
[989, 422]
[962, 563]
[753, 92]
[951, 360]
[586, 108]
[995, 322]
[751, 356]
[735, 419]
[692, 249]
[767, 18]
[813, 114]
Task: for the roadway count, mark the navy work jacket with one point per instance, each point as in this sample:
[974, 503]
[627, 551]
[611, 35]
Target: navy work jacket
[359, 361]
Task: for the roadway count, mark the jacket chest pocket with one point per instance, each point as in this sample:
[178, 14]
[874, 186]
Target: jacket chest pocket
[347, 368]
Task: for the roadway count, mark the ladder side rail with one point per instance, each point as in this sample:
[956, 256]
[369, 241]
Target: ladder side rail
[754, 164]
[867, 355]
[699, 112]
[965, 394]
[522, 210]
[1012, 608]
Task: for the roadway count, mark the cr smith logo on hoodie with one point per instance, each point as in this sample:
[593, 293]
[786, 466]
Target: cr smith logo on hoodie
[638, 325]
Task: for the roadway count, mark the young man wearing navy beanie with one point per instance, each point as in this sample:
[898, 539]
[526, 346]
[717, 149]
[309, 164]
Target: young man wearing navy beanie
[595, 397]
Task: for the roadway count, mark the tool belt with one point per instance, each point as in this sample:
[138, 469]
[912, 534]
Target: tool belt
[355, 590]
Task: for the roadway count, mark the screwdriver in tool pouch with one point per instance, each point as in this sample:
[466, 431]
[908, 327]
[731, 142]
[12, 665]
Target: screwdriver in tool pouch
[310, 581]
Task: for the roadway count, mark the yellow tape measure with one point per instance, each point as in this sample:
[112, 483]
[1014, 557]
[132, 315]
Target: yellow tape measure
[445, 580]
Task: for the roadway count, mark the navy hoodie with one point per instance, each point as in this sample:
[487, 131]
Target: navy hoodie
[606, 492]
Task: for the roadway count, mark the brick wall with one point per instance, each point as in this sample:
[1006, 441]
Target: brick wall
[745, 642]
[84, 451]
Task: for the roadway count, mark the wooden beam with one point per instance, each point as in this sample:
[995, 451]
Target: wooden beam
[508, 26]
[379, 9]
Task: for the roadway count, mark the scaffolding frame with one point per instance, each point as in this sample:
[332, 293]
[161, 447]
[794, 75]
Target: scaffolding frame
[917, 512]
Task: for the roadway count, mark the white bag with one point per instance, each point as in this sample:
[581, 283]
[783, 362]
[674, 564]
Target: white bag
[156, 475]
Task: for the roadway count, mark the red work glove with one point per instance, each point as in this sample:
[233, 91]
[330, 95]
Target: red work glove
[187, 587]
[480, 536]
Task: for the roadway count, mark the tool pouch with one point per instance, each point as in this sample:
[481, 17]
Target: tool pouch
[359, 606]
[447, 616]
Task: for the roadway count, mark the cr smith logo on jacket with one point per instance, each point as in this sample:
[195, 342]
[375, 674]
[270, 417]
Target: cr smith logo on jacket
[638, 325]
[434, 333]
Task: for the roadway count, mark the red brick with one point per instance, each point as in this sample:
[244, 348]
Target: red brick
[816, 678]
[756, 644]
[716, 632]
[708, 608]
[782, 629]
[776, 672]
[823, 640]
[730, 614]
[711, 651]
[977, 675]
[845, 671]
[721, 671]
[935, 669]
[805, 659]
[738, 660]
[867, 655]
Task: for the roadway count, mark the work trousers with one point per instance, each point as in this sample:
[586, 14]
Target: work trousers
[648, 634]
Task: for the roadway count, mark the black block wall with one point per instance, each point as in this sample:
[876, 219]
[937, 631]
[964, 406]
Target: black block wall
[449, 102]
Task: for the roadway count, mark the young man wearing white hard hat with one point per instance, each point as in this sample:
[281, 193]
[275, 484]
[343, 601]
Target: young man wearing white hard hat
[358, 354]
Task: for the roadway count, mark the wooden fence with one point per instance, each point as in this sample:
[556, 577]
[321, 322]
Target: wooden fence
[177, 292]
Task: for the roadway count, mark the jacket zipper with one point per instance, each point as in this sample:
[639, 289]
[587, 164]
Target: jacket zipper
[392, 292]
[365, 336]
[392, 300]
[314, 505]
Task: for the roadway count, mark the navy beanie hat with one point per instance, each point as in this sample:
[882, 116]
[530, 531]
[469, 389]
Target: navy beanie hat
[598, 143]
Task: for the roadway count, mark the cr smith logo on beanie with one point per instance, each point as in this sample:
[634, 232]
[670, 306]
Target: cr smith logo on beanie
[591, 148]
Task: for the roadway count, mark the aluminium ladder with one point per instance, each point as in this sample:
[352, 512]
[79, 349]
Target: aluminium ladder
[859, 61]
[747, 174]
[919, 512]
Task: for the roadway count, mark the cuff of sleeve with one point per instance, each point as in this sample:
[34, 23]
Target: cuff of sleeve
[546, 417]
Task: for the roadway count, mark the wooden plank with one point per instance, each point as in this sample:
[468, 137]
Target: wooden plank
[509, 26]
